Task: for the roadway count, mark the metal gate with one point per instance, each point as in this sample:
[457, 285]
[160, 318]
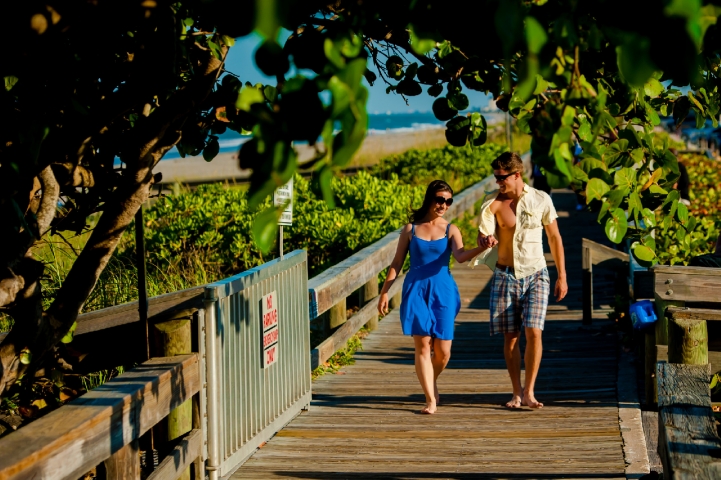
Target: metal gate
[257, 358]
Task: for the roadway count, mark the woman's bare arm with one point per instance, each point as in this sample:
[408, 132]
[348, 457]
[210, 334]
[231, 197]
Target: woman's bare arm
[395, 268]
[459, 253]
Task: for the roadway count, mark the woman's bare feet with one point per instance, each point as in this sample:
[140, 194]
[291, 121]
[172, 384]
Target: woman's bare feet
[436, 394]
[516, 401]
[430, 408]
[529, 400]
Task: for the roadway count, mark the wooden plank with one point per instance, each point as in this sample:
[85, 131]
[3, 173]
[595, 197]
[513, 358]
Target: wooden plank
[687, 431]
[602, 253]
[71, 440]
[125, 463]
[688, 284]
[695, 313]
[180, 458]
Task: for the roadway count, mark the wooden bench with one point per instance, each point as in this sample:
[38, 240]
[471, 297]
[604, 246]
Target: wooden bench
[105, 424]
[688, 443]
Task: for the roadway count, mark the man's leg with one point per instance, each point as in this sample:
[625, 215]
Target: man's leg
[512, 352]
[424, 370]
[535, 303]
[441, 355]
[534, 350]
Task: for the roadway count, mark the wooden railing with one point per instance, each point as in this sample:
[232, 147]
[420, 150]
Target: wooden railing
[105, 424]
[593, 253]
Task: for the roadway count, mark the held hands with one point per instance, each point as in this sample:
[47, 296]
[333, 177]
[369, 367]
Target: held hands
[486, 241]
[561, 289]
[383, 304]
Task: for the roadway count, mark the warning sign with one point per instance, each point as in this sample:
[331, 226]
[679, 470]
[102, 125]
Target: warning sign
[284, 196]
[269, 321]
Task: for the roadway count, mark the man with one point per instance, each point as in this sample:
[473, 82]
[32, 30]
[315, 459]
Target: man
[511, 222]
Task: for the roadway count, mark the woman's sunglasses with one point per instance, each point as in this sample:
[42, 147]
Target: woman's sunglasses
[500, 178]
[442, 200]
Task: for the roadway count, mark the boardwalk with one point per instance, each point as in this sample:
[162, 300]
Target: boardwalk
[363, 422]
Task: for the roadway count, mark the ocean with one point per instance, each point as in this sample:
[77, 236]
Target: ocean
[378, 124]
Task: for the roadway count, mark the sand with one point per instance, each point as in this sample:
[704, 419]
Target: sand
[193, 170]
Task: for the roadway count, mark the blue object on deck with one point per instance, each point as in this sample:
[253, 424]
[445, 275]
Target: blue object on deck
[642, 314]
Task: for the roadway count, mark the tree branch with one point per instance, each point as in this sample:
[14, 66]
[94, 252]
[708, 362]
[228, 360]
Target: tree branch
[49, 202]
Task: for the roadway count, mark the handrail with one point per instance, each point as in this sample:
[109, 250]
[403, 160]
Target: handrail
[593, 253]
[76, 437]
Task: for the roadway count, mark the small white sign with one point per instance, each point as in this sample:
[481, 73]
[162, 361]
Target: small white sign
[284, 196]
[269, 319]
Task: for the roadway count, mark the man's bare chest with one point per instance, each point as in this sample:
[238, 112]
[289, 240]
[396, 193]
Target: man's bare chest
[505, 213]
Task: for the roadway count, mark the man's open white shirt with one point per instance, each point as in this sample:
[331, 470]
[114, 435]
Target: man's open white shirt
[534, 210]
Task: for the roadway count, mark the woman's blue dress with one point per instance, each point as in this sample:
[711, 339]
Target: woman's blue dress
[431, 300]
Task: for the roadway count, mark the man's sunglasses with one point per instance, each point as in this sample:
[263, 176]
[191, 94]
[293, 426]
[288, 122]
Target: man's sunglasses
[500, 178]
[442, 200]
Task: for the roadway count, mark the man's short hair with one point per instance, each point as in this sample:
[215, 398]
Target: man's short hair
[508, 161]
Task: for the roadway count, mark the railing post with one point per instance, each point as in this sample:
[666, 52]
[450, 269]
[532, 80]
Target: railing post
[687, 341]
[125, 463]
[587, 284]
[213, 404]
[335, 316]
[369, 292]
[174, 338]
[395, 300]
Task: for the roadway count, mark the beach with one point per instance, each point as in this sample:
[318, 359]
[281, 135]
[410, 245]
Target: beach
[194, 170]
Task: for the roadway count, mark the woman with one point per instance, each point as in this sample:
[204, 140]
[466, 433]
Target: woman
[430, 299]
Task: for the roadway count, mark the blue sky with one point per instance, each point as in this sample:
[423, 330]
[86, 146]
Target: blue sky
[240, 61]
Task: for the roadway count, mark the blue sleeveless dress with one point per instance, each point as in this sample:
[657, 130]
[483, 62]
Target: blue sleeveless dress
[431, 300]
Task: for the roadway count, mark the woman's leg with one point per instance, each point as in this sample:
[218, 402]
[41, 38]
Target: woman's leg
[442, 349]
[424, 370]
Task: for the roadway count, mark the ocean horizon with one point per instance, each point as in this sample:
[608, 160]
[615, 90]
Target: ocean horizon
[378, 124]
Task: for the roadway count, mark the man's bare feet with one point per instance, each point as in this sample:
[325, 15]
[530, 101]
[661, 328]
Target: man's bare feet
[529, 400]
[515, 401]
[429, 409]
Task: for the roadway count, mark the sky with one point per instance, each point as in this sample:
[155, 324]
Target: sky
[240, 61]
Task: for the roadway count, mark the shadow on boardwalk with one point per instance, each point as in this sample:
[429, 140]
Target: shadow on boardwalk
[364, 421]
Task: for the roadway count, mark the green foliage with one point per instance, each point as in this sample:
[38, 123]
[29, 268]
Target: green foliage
[215, 224]
[460, 167]
[679, 237]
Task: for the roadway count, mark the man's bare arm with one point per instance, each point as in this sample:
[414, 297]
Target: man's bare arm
[556, 243]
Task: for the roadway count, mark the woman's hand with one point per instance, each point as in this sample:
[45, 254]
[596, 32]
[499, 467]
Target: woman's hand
[383, 304]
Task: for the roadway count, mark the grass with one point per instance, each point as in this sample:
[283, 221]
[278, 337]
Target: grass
[342, 357]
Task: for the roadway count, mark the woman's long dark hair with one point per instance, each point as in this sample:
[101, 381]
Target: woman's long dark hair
[433, 188]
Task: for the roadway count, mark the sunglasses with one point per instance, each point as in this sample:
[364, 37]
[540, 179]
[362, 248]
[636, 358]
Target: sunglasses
[442, 200]
[500, 178]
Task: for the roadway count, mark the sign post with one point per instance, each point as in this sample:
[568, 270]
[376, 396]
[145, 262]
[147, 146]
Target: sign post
[284, 196]
[269, 319]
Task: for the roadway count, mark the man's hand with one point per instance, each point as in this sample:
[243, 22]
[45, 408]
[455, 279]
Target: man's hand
[486, 241]
[561, 289]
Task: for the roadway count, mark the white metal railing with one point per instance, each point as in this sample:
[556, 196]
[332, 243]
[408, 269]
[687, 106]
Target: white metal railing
[258, 358]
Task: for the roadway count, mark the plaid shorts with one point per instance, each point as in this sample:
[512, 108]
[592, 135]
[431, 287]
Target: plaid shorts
[518, 303]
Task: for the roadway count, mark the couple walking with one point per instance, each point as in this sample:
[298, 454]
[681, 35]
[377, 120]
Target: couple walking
[509, 242]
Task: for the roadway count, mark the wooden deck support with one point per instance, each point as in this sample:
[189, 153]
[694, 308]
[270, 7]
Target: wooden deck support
[686, 428]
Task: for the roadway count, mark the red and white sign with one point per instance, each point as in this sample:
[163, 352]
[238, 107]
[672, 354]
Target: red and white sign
[269, 319]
